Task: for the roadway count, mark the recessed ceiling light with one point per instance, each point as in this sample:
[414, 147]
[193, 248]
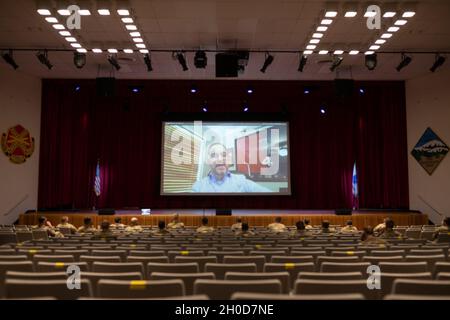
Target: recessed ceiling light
[51, 19]
[138, 40]
[58, 26]
[393, 29]
[127, 20]
[140, 45]
[71, 39]
[322, 28]
[97, 50]
[64, 12]
[112, 50]
[389, 14]
[307, 52]
[369, 53]
[338, 51]
[374, 47]
[350, 14]
[331, 14]
[311, 46]
[408, 14]
[386, 35]
[65, 33]
[400, 22]
[370, 14]
[326, 21]
[135, 34]
[143, 51]
[103, 12]
[317, 35]
[353, 52]
[380, 41]
[314, 41]
[84, 12]
[323, 51]
[82, 50]
[76, 45]
[131, 27]
[123, 12]
[128, 50]
[44, 12]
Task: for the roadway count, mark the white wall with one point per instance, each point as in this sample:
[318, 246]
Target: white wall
[428, 105]
[20, 103]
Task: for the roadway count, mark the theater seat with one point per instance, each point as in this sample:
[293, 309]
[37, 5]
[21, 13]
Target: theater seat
[345, 267]
[421, 287]
[268, 296]
[292, 268]
[118, 267]
[259, 260]
[334, 287]
[140, 288]
[172, 267]
[95, 277]
[43, 266]
[219, 269]
[187, 278]
[403, 267]
[284, 278]
[58, 275]
[330, 275]
[17, 288]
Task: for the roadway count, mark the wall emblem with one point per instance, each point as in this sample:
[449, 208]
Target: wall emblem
[17, 144]
[430, 151]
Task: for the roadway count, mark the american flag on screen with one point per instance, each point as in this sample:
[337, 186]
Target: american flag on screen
[97, 180]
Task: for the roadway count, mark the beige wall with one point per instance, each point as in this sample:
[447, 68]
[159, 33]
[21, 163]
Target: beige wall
[20, 103]
[428, 105]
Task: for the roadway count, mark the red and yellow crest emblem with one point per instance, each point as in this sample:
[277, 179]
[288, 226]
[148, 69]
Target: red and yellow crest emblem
[17, 144]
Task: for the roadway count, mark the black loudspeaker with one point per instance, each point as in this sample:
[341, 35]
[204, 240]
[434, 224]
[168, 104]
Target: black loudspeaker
[223, 212]
[344, 87]
[227, 65]
[343, 212]
[106, 87]
[106, 212]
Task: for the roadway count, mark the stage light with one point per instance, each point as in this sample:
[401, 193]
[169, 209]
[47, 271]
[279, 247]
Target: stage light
[193, 89]
[97, 50]
[326, 21]
[79, 59]
[182, 60]
[307, 52]
[77, 88]
[338, 52]
[311, 46]
[323, 110]
[322, 52]
[128, 50]
[322, 28]
[371, 61]
[336, 63]
[144, 51]
[127, 20]
[81, 50]
[408, 14]
[374, 47]
[75, 45]
[380, 41]
[103, 12]
[393, 29]
[8, 57]
[113, 61]
[245, 108]
[112, 50]
[123, 12]
[135, 90]
[44, 12]
[361, 90]
[51, 20]
[267, 62]
[406, 60]
[353, 52]
[130, 27]
[135, 34]
[350, 14]
[306, 90]
[200, 59]
[389, 14]
[386, 35]
[250, 90]
[302, 63]
[71, 39]
[65, 33]
[439, 61]
[43, 58]
[58, 26]
[140, 45]
[148, 62]
[401, 22]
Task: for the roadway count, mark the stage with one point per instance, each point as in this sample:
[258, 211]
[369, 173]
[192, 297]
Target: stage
[253, 217]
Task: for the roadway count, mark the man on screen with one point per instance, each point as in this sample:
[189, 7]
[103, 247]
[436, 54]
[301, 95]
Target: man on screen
[219, 179]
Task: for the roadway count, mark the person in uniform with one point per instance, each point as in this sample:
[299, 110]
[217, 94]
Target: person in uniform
[238, 225]
[380, 227]
[349, 228]
[444, 228]
[105, 232]
[368, 238]
[326, 227]
[87, 226]
[307, 225]
[175, 223]
[301, 231]
[65, 224]
[134, 226]
[389, 232]
[161, 231]
[244, 231]
[44, 225]
[204, 228]
[277, 226]
[117, 225]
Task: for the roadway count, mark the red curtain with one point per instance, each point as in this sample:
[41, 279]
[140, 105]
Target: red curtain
[124, 132]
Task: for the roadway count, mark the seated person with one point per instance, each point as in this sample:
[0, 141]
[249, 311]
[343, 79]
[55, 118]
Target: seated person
[219, 179]
[105, 232]
[162, 231]
[389, 232]
[238, 225]
[175, 223]
[307, 225]
[204, 228]
[444, 228]
[301, 230]
[117, 224]
[277, 226]
[368, 238]
[244, 231]
[65, 224]
[349, 228]
[380, 227]
[43, 224]
[88, 226]
[326, 227]
[134, 226]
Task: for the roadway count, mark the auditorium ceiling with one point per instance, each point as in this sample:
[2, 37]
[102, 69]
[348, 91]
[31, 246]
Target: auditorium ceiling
[256, 25]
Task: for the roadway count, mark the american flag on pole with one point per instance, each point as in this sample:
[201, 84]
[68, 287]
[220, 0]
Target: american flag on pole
[97, 181]
[355, 188]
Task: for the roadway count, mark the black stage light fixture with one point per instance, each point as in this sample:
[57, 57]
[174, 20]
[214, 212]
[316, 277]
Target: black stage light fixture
[439, 61]
[148, 62]
[79, 59]
[200, 59]
[336, 63]
[371, 61]
[302, 63]
[406, 60]
[8, 57]
[182, 60]
[112, 59]
[43, 58]
[267, 62]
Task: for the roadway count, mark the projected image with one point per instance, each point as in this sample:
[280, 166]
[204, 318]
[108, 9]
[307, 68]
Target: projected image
[225, 158]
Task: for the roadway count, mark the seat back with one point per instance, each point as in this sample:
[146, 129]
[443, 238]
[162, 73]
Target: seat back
[187, 278]
[421, 287]
[95, 277]
[190, 267]
[45, 266]
[53, 258]
[330, 275]
[7, 237]
[259, 260]
[201, 260]
[292, 268]
[345, 267]
[284, 278]
[387, 279]
[140, 288]
[223, 289]
[111, 267]
[306, 286]
[19, 288]
[219, 269]
[403, 267]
